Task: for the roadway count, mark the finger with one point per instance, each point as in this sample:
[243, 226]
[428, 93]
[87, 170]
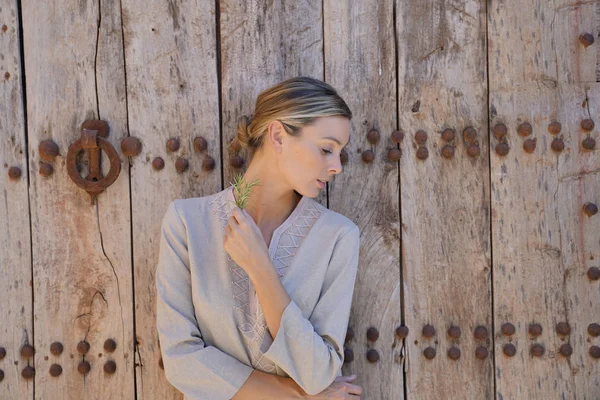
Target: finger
[354, 389]
[238, 216]
[347, 378]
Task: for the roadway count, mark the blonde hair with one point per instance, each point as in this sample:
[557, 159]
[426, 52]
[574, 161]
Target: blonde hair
[296, 103]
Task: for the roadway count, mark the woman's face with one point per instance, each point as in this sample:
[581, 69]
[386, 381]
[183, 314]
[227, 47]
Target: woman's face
[314, 155]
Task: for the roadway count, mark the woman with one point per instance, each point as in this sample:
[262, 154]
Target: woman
[237, 318]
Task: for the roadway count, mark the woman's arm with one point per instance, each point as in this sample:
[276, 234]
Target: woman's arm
[261, 385]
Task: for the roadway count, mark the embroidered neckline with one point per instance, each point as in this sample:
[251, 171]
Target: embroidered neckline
[285, 242]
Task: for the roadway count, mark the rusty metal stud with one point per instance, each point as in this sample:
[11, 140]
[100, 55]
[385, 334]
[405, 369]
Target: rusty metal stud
[469, 134]
[28, 372]
[14, 172]
[110, 367]
[2, 353]
[562, 328]
[537, 350]
[397, 136]
[428, 331]
[535, 330]
[208, 164]
[402, 331]
[473, 150]
[557, 145]
[454, 353]
[508, 329]
[131, 146]
[83, 347]
[343, 156]
[454, 332]
[509, 349]
[368, 156]
[161, 364]
[554, 127]
[84, 367]
[200, 144]
[502, 149]
[56, 348]
[565, 350]
[27, 351]
[593, 273]
[172, 144]
[1, 375]
[593, 330]
[55, 370]
[586, 39]
[46, 169]
[588, 143]
[158, 163]
[181, 165]
[422, 153]
[421, 137]
[429, 353]
[48, 150]
[110, 345]
[480, 333]
[348, 355]
[590, 209]
[448, 151]
[481, 353]
[372, 334]
[587, 124]
[595, 351]
[394, 155]
[448, 134]
[529, 145]
[500, 131]
[236, 161]
[373, 136]
[373, 355]
[525, 129]
[349, 335]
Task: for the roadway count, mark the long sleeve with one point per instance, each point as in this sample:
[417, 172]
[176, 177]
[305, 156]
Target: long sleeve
[311, 350]
[196, 370]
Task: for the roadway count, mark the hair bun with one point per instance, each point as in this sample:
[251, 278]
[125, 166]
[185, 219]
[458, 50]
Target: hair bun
[243, 131]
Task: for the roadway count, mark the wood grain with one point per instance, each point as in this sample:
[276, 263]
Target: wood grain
[81, 252]
[444, 201]
[543, 243]
[16, 311]
[171, 61]
[360, 64]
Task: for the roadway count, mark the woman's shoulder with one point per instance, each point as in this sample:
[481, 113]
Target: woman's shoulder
[335, 221]
[202, 206]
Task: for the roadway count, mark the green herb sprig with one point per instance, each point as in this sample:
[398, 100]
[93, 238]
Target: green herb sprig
[242, 189]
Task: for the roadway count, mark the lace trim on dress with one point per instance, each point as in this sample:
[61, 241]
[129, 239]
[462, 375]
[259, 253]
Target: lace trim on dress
[251, 319]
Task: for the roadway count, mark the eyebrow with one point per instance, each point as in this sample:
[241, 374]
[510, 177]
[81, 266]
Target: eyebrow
[334, 139]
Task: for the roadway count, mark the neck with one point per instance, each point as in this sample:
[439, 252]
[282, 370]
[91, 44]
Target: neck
[270, 202]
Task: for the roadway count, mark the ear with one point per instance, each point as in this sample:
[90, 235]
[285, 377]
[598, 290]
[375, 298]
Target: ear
[275, 134]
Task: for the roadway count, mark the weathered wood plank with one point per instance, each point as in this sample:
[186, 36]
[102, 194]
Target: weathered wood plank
[81, 252]
[172, 93]
[262, 45]
[360, 63]
[543, 243]
[444, 201]
[15, 249]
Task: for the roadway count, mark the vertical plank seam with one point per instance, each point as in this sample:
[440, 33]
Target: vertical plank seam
[136, 350]
[26, 135]
[491, 234]
[400, 258]
[219, 86]
[327, 188]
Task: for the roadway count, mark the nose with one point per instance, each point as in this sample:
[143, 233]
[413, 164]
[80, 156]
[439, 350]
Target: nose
[336, 166]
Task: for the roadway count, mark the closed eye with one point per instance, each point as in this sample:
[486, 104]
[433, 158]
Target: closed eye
[326, 151]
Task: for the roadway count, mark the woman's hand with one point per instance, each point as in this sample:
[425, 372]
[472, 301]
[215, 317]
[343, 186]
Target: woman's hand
[244, 242]
[341, 388]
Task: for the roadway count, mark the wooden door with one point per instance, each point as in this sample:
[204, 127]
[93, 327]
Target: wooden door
[471, 172]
